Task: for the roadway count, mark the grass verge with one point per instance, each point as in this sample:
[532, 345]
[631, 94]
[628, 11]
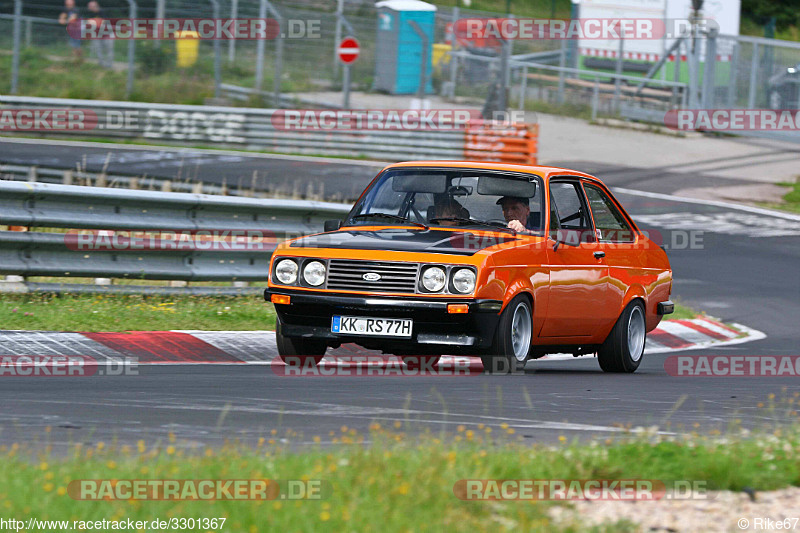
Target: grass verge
[109, 312]
[791, 200]
[388, 481]
[101, 312]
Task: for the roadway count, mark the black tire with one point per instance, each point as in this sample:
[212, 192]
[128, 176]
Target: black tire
[511, 347]
[420, 362]
[297, 351]
[623, 349]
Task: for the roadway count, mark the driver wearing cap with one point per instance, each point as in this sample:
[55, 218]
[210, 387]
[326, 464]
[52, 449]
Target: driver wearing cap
[516, 210]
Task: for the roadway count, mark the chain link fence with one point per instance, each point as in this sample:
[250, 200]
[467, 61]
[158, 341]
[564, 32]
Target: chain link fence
[730, 72]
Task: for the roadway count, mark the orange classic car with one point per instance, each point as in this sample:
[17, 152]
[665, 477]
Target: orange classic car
[503, 262]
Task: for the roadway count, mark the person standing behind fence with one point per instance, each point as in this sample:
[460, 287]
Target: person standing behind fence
[102, 48]
[70, 18]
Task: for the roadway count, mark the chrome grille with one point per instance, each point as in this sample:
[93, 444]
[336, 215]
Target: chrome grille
[395, 277]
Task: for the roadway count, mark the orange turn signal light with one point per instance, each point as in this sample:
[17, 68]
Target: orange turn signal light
[457, 308]
[280, 299]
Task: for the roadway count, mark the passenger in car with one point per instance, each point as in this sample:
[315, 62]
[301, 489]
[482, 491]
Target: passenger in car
[445, 206]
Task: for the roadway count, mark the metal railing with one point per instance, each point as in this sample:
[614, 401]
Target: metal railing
[255, 129]
[63, 210]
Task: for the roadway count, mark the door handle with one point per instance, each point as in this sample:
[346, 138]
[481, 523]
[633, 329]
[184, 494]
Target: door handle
[599, 255]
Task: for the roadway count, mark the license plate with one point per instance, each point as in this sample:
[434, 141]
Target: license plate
[388, 327]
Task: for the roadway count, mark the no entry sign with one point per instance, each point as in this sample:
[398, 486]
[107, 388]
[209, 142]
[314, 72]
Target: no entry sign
[348, 50]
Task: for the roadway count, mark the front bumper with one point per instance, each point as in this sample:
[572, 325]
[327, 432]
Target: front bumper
[434, 329]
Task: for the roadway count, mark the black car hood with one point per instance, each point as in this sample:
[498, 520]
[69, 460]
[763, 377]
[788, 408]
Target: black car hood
[405, 240]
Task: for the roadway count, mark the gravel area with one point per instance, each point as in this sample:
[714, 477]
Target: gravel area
[720, 512]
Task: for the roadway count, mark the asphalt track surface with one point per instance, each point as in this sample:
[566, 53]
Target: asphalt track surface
[744, 270]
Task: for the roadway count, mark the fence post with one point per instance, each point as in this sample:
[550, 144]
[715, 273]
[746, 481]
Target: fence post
[17, 38]
[232, 42]
[595, 97]
[278, 61]
[618, 70]
[217, 47]
[751, 97]
[262, 14]
[423, 73]
[161, 13]
[523, 88]
[454, 58]
[562, 62]
[337, 38]
[709, 72]
[732, 78]
[131, 52]
[276, 82]
[28, 32]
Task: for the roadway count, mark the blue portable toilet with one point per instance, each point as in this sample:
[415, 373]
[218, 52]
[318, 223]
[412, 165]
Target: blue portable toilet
[398, 50]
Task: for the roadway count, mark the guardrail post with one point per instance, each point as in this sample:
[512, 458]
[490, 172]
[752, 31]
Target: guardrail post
[595, 98]
[217, 47]
[131, 51]
[16, 52]
[33, 174]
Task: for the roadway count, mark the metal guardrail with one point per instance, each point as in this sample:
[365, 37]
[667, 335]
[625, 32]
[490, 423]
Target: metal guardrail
[251, 128]
[71, 176]
[34, 253]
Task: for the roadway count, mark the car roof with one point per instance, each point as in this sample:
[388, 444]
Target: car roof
[539, 170]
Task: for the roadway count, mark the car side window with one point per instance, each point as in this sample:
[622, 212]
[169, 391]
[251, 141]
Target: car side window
[610, 223]
[566, 204]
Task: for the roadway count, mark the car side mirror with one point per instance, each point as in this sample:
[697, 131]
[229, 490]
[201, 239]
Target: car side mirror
[332, 225]
[566, 237]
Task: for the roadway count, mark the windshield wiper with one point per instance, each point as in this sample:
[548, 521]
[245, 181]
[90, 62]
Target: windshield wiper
[393, 217]
[477, 222]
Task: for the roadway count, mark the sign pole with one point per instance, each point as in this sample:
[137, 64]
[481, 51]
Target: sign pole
[347, 52]
[346, 87]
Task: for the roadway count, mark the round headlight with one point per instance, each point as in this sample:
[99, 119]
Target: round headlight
[433, 279]
[286, 271]
[464, 280]
[314, 273]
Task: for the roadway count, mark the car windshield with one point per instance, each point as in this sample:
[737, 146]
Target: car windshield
[451, 198]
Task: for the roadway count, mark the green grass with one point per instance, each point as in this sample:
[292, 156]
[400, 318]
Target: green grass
[45, 75]
[108, 312]
[791, 200]
[390, 481]
[682, 313]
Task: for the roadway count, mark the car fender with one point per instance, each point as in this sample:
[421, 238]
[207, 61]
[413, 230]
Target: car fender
[633, 292]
